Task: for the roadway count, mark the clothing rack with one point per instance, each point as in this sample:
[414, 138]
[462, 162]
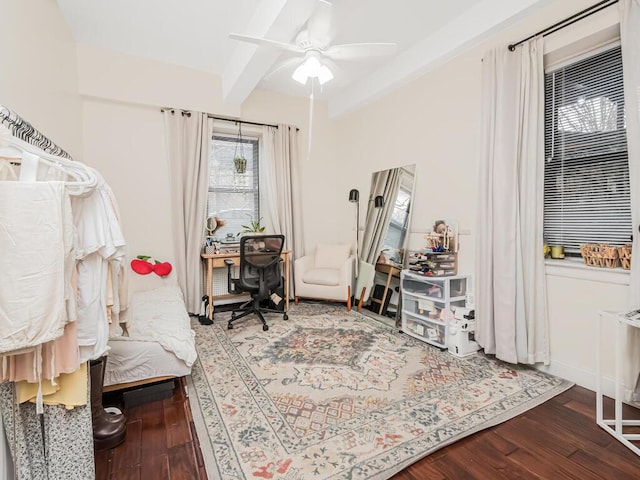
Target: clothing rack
[567, 21]
[23, 130]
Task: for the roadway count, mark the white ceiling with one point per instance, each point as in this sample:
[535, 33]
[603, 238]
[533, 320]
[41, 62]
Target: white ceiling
[194, 33]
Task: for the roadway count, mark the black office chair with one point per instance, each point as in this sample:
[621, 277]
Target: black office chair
[259, 275]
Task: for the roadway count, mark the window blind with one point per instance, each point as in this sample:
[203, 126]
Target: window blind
[586, 176]
[233, 197]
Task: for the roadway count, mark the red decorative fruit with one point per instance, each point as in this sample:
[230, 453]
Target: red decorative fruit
[141, 266]
[162, 269]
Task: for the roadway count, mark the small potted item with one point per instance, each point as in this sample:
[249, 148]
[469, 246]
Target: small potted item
[239, 160]
[254, 227]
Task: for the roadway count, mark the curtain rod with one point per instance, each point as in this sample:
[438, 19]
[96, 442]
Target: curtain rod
[235, 120]
[567, 21]
[243, 121]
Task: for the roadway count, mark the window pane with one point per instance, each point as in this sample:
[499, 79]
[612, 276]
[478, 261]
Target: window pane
[397, 226]
[586, 192]
[233, 196]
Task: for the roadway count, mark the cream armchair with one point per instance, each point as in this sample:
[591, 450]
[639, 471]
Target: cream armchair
[325, 275]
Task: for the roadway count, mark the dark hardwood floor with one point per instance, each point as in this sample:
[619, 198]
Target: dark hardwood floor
[161, 441]
[556, 440]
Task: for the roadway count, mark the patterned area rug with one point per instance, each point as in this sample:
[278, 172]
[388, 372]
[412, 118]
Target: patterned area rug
[332, 394]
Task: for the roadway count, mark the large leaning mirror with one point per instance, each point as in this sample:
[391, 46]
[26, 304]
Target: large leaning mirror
[386, 231]
[386, 225]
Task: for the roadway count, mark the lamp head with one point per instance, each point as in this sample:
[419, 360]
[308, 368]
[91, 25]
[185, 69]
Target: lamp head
[378, 202]
[354, 195]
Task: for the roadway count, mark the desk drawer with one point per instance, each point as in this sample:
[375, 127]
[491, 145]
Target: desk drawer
[219, 262]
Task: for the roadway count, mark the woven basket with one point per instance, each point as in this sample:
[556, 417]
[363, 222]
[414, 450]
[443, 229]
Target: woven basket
[624, 253]
[600, 255]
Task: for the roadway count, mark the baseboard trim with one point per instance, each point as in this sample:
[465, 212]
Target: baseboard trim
[579, 376]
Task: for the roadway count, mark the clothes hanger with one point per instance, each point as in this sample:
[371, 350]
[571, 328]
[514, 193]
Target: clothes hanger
[84, 179]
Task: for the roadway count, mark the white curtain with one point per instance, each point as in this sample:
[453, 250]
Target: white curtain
[188, 144]
[385, 183]
[280, 186]
[630, 44]
[510, 290]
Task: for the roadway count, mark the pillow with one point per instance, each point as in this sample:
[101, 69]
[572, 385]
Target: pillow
[332, 255]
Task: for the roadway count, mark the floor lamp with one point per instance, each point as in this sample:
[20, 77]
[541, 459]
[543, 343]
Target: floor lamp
[354, 197]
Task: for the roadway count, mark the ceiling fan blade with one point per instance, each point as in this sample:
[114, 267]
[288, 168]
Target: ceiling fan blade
[266, 42]
[284, 65]
[320, 25]
[356, 51]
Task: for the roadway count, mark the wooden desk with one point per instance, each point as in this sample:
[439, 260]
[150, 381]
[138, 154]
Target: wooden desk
[216, 260]
[391, 271]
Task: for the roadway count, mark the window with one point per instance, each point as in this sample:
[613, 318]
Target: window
[399, 220]
[233, 197]
[586, 175]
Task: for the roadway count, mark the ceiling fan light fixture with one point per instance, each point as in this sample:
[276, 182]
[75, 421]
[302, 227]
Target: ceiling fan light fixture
[300, 74]
[324, 75]
[313, 65]
[312, 68]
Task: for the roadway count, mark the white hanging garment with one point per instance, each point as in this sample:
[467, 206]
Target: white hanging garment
[32, 241]
[99, 241]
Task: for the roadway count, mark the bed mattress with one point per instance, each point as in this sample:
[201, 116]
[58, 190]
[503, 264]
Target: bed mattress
[159, 343]
[133, 361]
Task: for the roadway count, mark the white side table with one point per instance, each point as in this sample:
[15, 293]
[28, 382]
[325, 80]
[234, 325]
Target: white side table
[615, 426]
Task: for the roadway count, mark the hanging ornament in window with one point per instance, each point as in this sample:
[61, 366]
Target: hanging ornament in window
[239, 160]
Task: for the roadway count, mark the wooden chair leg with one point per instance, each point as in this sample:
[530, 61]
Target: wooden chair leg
[349, 298]
[295, 300]
[361, 300]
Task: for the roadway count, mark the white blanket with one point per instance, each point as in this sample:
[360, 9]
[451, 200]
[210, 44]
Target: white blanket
[160, 316]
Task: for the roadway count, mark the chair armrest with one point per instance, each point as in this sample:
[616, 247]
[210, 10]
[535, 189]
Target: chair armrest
[303, 264]
[346, 271]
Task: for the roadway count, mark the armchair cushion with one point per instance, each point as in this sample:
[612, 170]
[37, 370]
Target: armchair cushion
[326, 274]
[322, 276]
[332, 255]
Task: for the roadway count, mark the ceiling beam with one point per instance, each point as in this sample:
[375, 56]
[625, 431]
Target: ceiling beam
[464, 31]
[277, 20]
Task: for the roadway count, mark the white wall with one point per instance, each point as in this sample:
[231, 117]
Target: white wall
[38, 73]
[435, 122]
[124, 140]
[126, 144]
[125, 78]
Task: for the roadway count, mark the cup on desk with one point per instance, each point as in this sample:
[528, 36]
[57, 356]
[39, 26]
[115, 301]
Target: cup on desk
[557, 251]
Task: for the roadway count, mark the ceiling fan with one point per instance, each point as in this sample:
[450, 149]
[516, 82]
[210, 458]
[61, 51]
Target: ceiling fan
[314, 45]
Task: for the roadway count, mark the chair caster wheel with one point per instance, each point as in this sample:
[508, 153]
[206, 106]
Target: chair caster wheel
[285, 317]
[229, 326]
[265, 328]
